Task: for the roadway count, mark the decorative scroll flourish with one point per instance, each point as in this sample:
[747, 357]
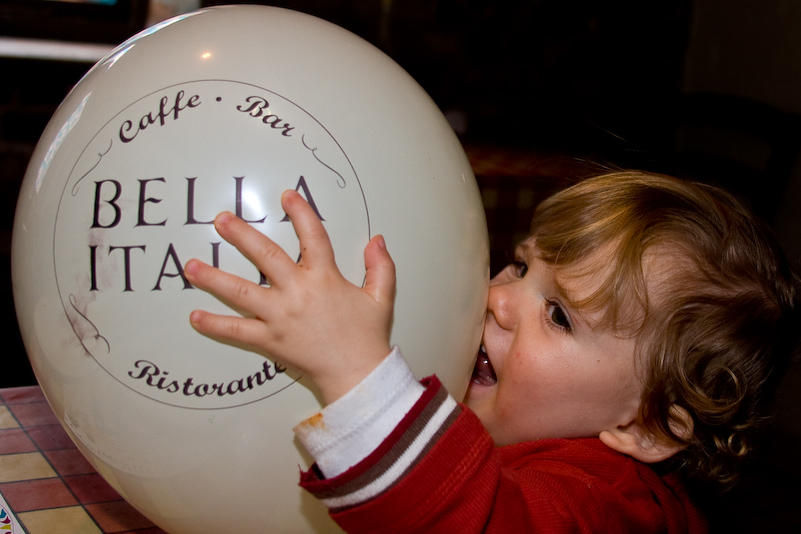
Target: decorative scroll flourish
[87, 173]
[96, 336]
[341, 181]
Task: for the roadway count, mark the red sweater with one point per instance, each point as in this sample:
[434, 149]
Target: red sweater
[443, 474]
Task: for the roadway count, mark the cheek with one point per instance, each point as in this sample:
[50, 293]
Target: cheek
[630, 388]
[522, 382]
[540, 363]
[518, 365]
[557, 374]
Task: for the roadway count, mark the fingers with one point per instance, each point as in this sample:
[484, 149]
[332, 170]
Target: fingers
[379, 280]
[315, 246]
[268, 256]
[237, 291]
[262, 251]
[228, 328]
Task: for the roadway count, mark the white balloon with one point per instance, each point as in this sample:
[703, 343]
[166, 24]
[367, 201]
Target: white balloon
[223, 109]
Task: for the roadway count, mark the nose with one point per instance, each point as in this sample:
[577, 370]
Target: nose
[501, 303]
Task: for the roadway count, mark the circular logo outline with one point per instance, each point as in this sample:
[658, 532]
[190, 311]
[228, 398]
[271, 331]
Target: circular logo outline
[69, 180]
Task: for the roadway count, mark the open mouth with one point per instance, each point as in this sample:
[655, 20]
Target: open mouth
[483, 373]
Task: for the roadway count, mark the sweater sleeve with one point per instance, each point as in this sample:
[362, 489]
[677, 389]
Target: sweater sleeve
[345, 432]
[421, 466]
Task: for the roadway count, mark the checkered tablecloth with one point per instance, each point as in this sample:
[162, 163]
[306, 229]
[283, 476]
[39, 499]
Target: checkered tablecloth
[46, 484]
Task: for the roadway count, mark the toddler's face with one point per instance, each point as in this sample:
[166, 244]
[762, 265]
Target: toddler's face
[544, 371]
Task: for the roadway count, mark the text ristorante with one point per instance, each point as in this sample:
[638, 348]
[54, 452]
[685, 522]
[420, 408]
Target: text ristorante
[153, 376]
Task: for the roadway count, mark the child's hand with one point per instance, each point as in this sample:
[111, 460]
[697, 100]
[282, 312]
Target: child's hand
[311, 319]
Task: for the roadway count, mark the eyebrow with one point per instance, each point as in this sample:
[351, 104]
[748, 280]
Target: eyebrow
[521, 248]
[578, 317]
[524, 250]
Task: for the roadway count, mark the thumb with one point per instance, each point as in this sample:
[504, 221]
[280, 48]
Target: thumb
[379, 281]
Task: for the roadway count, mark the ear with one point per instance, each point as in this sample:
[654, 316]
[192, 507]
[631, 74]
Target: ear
[635, 441]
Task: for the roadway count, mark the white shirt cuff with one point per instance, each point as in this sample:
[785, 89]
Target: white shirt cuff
[346, 431]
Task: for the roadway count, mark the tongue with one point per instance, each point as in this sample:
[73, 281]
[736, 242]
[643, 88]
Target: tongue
[483, 373]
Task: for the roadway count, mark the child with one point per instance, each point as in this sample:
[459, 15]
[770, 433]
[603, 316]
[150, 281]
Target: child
[632, 343]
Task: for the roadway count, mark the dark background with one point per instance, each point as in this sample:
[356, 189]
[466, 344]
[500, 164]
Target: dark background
[707, 88]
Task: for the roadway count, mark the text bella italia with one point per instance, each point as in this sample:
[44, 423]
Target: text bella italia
[112, 208]
[109, 210]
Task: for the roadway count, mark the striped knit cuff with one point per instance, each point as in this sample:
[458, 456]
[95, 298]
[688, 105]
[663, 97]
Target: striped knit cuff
[395, 457]
[345, 432]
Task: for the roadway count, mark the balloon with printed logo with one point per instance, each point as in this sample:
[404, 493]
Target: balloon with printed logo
[223, 109]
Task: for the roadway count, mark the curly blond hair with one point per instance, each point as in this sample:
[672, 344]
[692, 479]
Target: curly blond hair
[715, 299]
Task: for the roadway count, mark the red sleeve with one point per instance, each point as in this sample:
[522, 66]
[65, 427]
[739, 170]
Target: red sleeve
[440, 472]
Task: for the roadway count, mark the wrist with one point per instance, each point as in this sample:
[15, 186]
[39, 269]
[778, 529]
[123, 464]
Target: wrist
[351, 371]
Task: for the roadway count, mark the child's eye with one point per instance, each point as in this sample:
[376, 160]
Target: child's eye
[520, 268]
[558, 316]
